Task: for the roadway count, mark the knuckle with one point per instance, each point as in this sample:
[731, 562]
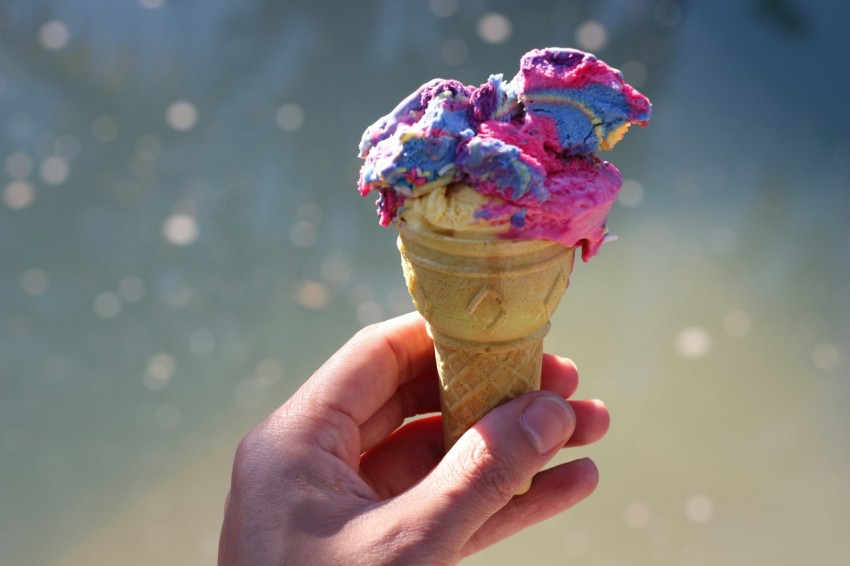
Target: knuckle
[248, 456]
[256, 453]
[492, 476]
[246, 451]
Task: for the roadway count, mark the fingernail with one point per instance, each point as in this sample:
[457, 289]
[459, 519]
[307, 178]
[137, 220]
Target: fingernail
[548, 423]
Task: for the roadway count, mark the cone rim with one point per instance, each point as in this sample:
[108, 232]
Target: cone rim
[497, 244]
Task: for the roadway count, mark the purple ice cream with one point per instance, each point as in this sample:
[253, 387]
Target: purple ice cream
[525, 148]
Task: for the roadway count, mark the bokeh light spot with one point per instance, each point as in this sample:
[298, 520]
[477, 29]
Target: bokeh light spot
[693, 342]
[54, 35]
[180, 229]
[699, 508]
[369, 312]
[18, 165]
[54, 170]
[592, 36]
[107, 305]
[312, 294]
[631, 193]
[494, 28]
[159, 372]
[826, 356]
[18, 195]
[637, 515]
[181, 115]
[443, 8]
[290, 117]
[35, 281]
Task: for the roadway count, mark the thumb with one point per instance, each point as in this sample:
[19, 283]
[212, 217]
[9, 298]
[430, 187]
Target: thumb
[491, 463]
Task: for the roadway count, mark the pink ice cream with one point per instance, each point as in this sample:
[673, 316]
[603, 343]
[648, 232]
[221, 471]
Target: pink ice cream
[525, 148]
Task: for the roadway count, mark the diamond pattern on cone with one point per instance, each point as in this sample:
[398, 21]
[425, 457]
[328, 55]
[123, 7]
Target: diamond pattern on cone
[486, 307]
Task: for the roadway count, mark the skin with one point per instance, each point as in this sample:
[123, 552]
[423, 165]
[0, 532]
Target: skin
[334, 476]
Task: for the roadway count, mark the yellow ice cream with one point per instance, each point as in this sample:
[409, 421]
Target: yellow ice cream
[450, 210]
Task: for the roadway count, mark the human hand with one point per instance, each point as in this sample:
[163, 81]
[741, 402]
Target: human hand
[330, 478]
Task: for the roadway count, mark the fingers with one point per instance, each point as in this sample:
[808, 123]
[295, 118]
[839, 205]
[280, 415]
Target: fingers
[488, 465]
[559, 376]
[412, 451]
[362, 375]
[416, 397]
[422, 395]
[553, 491]
[327, 411]
[593, 422]
[406, 457]
[386, 373]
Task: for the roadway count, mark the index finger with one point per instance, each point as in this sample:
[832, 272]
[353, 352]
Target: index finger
[362, 375]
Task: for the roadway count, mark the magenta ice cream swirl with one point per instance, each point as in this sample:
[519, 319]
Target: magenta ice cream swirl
[514, 159]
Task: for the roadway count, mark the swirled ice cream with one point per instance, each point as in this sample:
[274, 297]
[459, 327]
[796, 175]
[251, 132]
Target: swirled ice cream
[512, 159]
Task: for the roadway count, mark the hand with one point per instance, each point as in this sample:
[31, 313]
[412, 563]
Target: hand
[330, 478]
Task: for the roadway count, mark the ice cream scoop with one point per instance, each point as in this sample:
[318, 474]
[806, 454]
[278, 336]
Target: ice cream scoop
[492, 190]
[528, 145]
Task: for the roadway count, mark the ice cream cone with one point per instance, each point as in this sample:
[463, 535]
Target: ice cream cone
[488, 305]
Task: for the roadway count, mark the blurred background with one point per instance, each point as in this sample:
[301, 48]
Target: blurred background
[182, 243]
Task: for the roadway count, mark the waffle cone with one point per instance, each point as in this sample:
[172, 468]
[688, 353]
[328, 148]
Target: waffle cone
[488, 305]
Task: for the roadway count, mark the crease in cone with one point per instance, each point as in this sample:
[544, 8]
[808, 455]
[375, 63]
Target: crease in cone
[488, 305]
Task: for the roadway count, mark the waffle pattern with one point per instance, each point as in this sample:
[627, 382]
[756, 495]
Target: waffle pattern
[476, 378]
